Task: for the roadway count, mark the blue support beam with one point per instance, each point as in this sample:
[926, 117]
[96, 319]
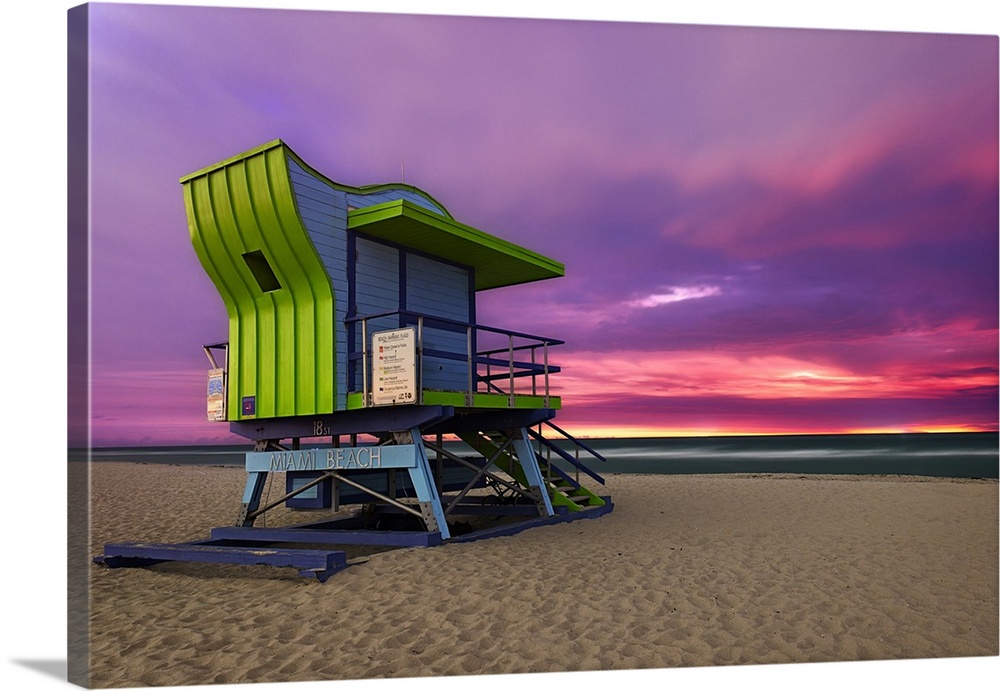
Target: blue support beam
[362, 421]
[310, 563]
[529, 463]
[251, 496]
[394, 538]
[490, 419]
[566, 456]
[423, 483]
[252, 546]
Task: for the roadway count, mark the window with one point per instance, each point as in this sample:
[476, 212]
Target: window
[261, 270]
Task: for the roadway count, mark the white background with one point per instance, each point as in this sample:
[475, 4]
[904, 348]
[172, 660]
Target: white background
[34, 333]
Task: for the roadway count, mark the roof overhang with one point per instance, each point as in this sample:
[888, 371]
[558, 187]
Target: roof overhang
[496, 262]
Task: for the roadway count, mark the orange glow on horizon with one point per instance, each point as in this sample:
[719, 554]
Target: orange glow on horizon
[952, 359]
[921, 429]
[639, 432]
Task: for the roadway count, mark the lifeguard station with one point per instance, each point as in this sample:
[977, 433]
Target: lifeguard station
[355, 362]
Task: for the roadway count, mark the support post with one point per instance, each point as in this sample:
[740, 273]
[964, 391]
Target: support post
[529, 463]
[254, 488]
[251, 499]
[423, 483]
[420, 360]
[510, 351]
[470, 396]
[364, 362]
[545, 355]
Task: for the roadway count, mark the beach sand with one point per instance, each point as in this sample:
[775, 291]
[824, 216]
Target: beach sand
[686, 571]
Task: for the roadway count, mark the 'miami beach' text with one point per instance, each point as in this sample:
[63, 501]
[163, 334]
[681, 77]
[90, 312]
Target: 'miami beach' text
[361, 457]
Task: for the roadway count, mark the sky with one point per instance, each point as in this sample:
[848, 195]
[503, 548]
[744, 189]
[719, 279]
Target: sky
[765, 230]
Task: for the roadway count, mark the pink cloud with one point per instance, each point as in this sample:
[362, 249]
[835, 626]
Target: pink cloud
[155, 406]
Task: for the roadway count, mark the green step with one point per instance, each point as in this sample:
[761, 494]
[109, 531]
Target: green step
[561, 493]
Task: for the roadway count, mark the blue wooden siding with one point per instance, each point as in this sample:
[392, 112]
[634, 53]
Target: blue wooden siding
[324, 213]
[370, 277]
[359, 201]
[441, 290]
[376, 284]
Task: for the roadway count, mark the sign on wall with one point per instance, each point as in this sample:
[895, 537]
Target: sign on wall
[216, 394]
[394, 367]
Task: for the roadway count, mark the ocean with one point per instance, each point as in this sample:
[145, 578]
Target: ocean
[955, 455]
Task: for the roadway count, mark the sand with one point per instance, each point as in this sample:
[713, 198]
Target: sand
[686, 571]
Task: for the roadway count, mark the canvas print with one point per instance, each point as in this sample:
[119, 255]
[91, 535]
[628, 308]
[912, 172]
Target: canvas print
[416, 346]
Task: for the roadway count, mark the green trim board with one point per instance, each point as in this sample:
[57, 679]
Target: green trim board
[496, 262]
[457, 399]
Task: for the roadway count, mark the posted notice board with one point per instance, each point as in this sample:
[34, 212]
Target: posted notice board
[394, 367]
[216, 394]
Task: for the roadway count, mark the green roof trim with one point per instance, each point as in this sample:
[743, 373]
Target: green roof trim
[233, 159]
[496, 262]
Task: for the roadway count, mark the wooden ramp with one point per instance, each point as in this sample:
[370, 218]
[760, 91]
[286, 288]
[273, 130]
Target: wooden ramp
[308, 547]
[311, 563]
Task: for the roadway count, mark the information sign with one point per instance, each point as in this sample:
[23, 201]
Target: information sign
[394, 367]
[216, 394]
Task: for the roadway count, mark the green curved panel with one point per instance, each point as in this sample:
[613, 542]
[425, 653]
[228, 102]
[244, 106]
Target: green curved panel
[247, 233]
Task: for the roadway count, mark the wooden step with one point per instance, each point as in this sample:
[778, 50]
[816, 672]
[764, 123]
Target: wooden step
[313, 563]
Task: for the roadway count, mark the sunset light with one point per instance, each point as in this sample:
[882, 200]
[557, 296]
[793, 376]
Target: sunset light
[763, 231]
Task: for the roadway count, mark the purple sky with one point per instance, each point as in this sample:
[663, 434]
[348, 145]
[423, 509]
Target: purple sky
[764, 230]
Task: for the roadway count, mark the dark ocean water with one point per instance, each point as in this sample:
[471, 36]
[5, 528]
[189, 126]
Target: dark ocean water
[960, 455]
[967, 455]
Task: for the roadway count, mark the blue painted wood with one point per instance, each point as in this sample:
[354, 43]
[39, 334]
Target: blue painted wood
[376, 285]
[400, 538]
[529, 464]
[453, 477]
[442, 290]
[437, 288]
[324, 213]
[350, 522]
[388, 278]
[354, 360]
[343, 422]
[316, 497]
[250, 546]
[578, 442]
[521, 368]
[139, 552]
[344, 458]
[423, 483]
[565, 455]
[361, 200]
[489, 419]
[254, 488]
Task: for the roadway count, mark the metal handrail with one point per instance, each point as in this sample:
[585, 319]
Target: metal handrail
[458, 326]
[512, 369]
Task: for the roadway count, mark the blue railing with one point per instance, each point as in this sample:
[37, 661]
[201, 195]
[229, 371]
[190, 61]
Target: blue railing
[449, 359]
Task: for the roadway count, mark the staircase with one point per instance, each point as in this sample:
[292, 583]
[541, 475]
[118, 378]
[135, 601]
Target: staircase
[563, 489]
